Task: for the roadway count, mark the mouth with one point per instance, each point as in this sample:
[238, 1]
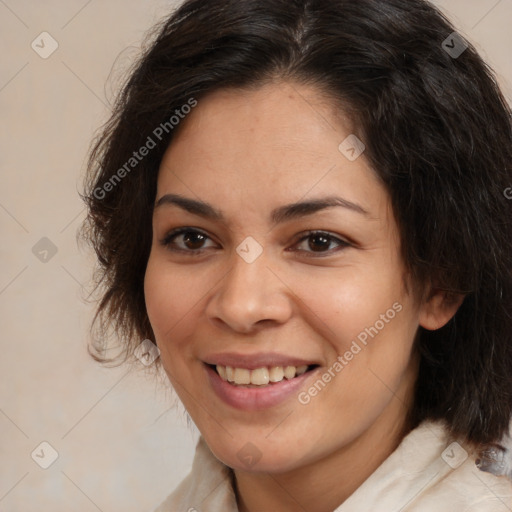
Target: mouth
[257, 381]
[258, 388]
[260, 377]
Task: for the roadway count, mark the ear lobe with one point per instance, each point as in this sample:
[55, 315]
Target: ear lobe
[438, 309]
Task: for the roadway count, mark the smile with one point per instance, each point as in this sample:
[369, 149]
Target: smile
[260, 376]
[258, 388]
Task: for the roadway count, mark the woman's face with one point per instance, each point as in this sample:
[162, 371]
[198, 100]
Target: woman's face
[247, 285]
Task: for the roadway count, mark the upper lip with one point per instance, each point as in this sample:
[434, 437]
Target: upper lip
[254, 361]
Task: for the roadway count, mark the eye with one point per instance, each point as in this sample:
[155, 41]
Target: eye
[192, 241]
[320, 242]
[186, 240]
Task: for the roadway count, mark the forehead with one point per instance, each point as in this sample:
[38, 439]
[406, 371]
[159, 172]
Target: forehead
[277, 143]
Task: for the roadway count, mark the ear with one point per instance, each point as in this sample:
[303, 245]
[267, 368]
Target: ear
[438, 309]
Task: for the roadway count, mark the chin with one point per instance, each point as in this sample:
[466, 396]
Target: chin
[249, 458]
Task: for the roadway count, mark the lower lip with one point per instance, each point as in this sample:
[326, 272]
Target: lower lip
[251, 399]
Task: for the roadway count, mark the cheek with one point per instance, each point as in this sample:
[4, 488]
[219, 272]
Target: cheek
[343, 303]
[158, 296]
[369, 327]
[170, 296]
[367, 319]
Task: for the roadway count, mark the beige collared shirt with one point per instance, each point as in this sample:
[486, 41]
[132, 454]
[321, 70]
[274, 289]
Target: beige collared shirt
[426, 473]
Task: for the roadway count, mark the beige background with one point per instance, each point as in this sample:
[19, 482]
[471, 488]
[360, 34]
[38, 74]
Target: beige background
[119, 445]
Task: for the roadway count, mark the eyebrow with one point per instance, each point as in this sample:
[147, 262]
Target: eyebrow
[278, 215]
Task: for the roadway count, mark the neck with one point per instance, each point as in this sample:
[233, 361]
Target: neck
[325, 484]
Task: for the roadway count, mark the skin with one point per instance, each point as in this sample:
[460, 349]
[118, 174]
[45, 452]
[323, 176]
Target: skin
[246, 153]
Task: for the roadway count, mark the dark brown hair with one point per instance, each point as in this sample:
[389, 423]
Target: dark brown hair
[437, 132]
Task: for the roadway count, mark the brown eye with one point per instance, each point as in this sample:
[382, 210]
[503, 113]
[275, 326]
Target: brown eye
[318, 242]
[321, 243]
[186, 240]
[193, 239]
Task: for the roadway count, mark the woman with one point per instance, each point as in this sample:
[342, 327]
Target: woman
[303, 205]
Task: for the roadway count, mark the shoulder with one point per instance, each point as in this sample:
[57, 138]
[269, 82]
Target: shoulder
[428, 471]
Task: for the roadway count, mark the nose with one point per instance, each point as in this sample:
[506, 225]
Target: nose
[250, 296]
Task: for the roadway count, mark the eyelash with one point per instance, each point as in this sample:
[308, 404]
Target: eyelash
[168, 240]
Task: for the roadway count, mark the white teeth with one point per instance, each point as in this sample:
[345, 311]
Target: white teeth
[289, 372]
[259, 376]
[301, 369]
[221, 370]
[242, 376]
[276, 374]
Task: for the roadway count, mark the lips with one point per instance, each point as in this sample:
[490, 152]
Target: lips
[251, 396]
